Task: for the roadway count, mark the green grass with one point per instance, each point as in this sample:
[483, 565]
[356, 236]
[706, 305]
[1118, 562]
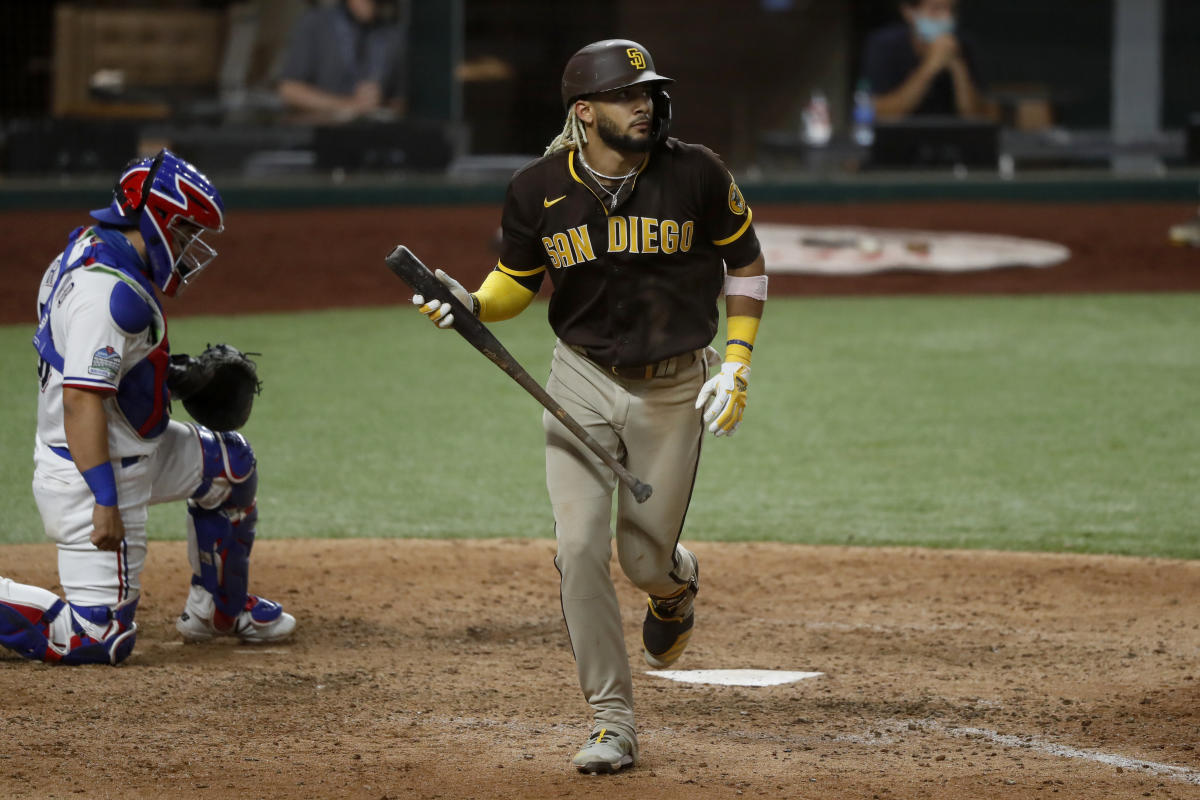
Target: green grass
[1050, 423]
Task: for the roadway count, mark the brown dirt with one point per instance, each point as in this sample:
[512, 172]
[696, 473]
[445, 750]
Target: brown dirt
[441, 669]
[430, 669]
[281, 260]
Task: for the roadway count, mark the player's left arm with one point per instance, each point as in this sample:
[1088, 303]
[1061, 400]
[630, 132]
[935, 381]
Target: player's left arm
[730, 222]
[726, 394]
[745, 297]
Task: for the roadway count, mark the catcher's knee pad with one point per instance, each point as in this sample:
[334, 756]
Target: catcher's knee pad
[230, 476]
[69, 634]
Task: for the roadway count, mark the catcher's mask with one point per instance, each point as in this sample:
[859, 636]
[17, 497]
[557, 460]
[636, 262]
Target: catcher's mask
[615, 64]
[172, 204]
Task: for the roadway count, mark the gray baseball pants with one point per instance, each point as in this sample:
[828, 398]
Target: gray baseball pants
[653, 427]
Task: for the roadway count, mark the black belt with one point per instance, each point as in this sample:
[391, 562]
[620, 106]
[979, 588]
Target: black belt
[660, 369]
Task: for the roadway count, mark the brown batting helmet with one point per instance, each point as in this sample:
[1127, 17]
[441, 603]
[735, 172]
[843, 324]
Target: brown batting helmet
[606, 65]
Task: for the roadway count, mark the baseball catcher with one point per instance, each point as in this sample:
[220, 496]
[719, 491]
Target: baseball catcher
[639, 233]
[106, 446]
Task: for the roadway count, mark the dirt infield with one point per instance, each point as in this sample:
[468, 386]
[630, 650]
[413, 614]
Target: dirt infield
[441, 670]
[282, 260]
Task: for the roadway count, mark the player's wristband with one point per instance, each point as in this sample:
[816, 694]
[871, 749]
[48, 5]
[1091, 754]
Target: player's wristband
[103, 483]
[739, 346]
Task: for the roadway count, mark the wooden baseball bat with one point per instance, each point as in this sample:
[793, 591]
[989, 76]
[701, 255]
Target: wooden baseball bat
[423, 282]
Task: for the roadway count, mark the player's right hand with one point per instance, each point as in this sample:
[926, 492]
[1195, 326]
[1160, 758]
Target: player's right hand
[108, 531]
[438, 312]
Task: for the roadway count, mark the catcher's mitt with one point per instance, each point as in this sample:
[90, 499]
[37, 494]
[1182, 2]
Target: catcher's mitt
[217, 387]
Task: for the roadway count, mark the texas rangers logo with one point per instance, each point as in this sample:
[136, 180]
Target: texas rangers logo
[636, 58]
[106, 363]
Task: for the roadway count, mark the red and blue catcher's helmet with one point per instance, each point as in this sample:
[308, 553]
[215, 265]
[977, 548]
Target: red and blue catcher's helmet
[172, 204]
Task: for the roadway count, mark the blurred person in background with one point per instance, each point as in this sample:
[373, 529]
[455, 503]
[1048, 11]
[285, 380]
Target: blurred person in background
[347, 60]
[923, 65]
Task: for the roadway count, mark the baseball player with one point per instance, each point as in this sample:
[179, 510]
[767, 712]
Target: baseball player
[106, 447]
[639, 234]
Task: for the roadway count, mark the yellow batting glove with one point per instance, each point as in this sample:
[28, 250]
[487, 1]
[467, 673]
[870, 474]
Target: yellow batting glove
[725, 394]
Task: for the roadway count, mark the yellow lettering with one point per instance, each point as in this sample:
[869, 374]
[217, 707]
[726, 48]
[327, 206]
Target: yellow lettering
[633, 235]
[548, 243]
[685, 240]
[563, 246]
[618, 235]
[669, 229]
[649, 235]
[581, 243]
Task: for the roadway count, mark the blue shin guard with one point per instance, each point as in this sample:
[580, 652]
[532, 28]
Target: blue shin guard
[222, 515]
[224, 540]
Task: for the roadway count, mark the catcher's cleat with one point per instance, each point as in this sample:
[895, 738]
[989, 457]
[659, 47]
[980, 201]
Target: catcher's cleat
[261, 621]
[606, 752]
[668, 624]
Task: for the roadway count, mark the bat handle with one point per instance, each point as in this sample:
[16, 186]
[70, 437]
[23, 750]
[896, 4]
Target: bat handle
[641, 491]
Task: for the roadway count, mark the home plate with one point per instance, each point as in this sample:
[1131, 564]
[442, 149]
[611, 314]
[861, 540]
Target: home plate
[734, 677]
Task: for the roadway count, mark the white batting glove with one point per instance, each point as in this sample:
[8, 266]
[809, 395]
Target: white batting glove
[439, 312]
[725, 394]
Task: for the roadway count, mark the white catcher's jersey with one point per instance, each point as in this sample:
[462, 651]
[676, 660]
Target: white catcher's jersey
[97, 353]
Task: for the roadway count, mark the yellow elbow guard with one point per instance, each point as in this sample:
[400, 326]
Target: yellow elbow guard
[739, 344]
[500, 297]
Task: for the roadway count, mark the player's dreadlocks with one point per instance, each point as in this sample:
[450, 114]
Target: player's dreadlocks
[573, 135]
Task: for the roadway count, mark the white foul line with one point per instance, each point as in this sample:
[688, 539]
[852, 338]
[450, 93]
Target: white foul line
[1163, 770]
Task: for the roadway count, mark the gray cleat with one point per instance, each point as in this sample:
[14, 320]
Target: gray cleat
[606, 752]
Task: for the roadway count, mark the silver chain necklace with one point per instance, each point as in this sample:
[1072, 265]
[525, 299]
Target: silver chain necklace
[599, 176]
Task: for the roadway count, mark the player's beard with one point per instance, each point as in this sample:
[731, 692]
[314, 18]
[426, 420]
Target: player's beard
[612, 136]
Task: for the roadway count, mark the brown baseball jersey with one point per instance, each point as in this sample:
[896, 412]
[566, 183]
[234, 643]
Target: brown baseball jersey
[636, 277]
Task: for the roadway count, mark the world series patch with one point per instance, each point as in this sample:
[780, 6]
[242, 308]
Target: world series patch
[106, 363]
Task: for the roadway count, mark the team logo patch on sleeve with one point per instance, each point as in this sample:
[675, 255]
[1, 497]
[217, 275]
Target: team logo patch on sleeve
[106, 363]
[737, 203]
